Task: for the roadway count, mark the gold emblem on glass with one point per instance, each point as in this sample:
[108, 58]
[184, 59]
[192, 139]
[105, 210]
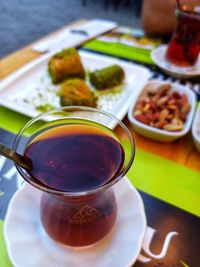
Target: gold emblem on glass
[86, 215]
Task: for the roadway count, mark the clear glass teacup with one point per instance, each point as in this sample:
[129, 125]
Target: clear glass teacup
[184, 47]
[76, 159]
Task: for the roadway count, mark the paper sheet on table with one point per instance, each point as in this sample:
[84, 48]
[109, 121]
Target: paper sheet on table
[75, 36]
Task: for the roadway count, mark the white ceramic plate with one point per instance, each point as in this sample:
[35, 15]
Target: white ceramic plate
[29, 246]
[158, 56]
[31, 86]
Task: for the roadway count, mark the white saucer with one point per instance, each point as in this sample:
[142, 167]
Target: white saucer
[158, 57]
[29, 246]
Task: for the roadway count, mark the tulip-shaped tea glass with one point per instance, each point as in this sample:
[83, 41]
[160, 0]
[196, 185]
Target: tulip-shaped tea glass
[76, 158]
[184, 47]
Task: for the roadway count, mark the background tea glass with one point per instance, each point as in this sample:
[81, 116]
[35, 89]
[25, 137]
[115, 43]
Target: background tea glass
[76, 160]
[183, 49]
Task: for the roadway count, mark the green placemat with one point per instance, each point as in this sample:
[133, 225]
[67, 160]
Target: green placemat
[166, 180]
[12, 121]
[4, 259]
[120, 50]
[162, 178]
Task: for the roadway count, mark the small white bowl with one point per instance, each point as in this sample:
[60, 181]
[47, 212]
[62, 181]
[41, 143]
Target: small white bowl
[196, 129]
[159, 134]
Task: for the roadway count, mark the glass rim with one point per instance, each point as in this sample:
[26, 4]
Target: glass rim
[76, 193]
[186, 12]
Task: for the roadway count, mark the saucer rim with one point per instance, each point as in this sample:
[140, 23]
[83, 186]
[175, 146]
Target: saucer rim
[184, 74]
[140, 208]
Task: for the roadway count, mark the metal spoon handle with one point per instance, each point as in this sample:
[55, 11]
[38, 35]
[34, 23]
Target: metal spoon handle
[19, 159]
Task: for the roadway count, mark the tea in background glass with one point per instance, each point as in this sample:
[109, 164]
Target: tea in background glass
[183, 49]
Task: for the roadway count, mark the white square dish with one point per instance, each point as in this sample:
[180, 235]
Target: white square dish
[160, 134]
[31, 86]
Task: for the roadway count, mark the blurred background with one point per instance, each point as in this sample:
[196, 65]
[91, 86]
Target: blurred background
[25, 21]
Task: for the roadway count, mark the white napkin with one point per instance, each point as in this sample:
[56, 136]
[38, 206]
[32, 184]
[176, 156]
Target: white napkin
[75, 36]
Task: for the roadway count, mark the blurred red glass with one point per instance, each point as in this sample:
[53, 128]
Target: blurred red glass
[183, 49]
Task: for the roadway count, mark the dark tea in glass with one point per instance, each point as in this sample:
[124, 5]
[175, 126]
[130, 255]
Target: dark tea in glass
[183, 49]
[76, 159]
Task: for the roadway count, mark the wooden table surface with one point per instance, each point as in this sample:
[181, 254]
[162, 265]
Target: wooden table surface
[181, 151]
